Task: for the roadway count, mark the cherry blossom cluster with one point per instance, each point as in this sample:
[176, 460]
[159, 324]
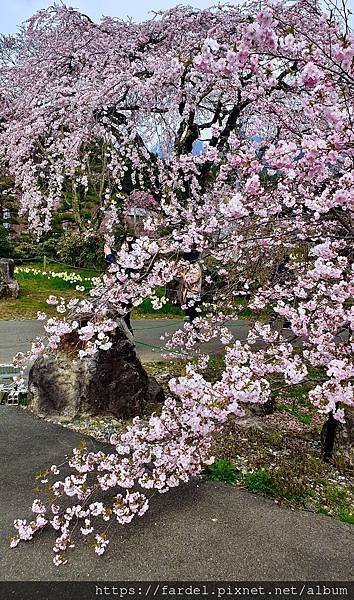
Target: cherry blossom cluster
[234, 126]
[154, 456]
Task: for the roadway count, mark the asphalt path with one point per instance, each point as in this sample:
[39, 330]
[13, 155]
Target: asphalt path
[199, 531]
[16, 336]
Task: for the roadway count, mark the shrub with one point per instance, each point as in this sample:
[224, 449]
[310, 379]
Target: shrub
[27, 246]
[74, 248]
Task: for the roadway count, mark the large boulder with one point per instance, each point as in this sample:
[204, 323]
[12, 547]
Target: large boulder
[113, 382]
[9, 287]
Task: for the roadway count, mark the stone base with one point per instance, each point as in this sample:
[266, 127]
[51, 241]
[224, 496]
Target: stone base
[113, 382]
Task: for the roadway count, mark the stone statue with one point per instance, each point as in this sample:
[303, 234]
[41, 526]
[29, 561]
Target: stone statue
[9, 287]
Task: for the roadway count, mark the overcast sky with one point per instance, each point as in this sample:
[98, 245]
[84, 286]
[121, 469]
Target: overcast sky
[14, 12]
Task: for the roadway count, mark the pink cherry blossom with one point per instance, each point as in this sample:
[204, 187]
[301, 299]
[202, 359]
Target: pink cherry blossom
[267, 201]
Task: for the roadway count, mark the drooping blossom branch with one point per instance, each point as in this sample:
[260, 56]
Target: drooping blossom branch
[238, 122]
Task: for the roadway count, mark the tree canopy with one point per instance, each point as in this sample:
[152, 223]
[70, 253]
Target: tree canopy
[269, 96]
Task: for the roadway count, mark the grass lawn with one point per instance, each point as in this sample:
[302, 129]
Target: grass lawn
[36, 287]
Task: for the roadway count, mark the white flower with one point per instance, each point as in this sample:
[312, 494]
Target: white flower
[234, 207]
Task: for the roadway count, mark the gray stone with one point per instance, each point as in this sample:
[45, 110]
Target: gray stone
[261, 410]
[252, 422]
[9, 287]
[113, 382]
[155, 392]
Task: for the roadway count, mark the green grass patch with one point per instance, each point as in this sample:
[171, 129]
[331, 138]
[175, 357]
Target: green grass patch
[23, 399]
[54, 283]
[59, 268]
[275, 438]
[216, 366]
[287, 468]
[294, 400]
[32, 299]
[36, 287]
[146, 308]
[303, 417]
[223, 470]
[346, 516]
[261, 482]
[333, 496]
[217, 362]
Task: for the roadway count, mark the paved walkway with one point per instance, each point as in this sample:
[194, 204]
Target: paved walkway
[205, 531]
[16, 336]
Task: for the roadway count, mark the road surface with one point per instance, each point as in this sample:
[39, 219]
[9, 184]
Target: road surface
[200, 531]
[16, 336]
